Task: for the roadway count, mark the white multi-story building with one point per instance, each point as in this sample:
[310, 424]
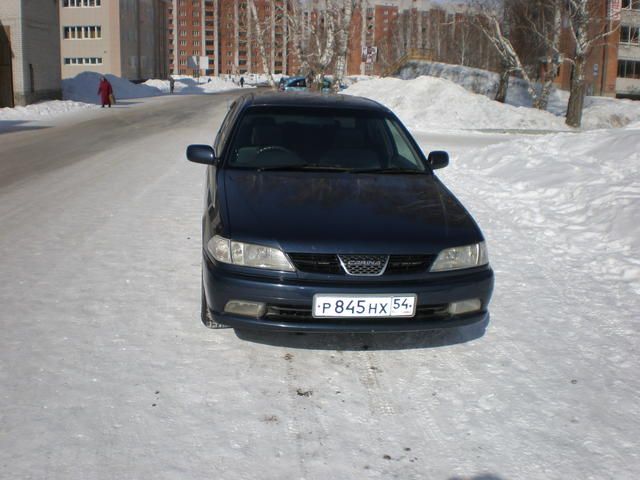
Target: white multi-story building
[628, 80]
[127, 38]
[29, 52]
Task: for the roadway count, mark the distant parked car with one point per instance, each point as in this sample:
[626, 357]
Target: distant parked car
[293, 84]
[300, 84]
[322, 214]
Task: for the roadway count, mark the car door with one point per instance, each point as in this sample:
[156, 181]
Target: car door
[211, 185]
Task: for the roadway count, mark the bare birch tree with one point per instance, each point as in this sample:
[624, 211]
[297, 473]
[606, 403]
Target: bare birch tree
[543, 20]
[587, 28]
[494, 15]
[344, 10]
[260, 30]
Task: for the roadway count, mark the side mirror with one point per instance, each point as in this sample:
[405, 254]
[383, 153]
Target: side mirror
[201, 154]
[438, 159]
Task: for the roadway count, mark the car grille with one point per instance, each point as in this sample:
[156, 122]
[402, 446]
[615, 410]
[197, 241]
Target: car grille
[366, 265]
[330, 264]
[292, 313]
[316, 263]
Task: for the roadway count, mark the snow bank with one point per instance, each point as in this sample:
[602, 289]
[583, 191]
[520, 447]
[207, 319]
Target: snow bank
[84, 88]
[42, 110]
[599, 112]
[579, 193]
[190, 86]
[428, 103]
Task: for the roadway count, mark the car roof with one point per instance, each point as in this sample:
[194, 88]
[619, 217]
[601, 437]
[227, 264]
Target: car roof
[310, 99]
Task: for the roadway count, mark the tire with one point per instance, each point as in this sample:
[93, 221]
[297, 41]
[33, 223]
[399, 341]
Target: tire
[205, 313]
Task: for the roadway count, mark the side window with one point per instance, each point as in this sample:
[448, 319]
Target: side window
[402, 145]
[223, 133]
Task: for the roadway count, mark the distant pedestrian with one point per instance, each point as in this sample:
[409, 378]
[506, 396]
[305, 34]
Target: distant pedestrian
[106, 92]
[241, 82]
[172, 84]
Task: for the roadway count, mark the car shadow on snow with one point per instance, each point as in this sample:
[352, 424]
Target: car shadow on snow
[369, 341]
[9, 126]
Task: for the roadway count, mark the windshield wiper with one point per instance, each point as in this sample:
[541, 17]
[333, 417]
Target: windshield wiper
[392, 170]
[299, 168]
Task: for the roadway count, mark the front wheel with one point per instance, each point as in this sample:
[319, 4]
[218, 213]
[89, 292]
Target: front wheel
[205, 313]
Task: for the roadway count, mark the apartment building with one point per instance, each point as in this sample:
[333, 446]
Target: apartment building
[628, 77]
[29, 52]
[224, 36]
[127, 38]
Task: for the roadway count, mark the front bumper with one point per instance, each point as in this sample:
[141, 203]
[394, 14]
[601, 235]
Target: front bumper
[289, 303]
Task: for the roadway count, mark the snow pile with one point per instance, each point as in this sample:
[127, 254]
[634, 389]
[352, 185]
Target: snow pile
[41, 110]
[351, 79]
[578, 193]
[428, 103]
[599, 112]
[191, 86]
[84, 88]
[473, 79]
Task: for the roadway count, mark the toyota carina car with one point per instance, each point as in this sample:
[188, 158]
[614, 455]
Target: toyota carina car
[322, 214]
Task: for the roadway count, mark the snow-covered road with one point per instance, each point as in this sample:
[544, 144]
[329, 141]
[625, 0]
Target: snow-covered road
[107, 373]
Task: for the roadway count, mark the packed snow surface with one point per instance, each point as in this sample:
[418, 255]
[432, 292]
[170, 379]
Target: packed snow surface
[106, 371]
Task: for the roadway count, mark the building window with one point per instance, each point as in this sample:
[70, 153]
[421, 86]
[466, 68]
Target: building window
[628, 69]
[81, 3]
[630, 35]
[631, 4]
[82, 32]
[83, 60]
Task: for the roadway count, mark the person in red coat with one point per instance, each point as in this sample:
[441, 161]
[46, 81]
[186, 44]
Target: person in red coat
[105, 91]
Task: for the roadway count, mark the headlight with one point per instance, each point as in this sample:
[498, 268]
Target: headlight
[248, 254]
[461, 257]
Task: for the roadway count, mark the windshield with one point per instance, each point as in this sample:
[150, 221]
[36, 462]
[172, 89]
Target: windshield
[308, 138]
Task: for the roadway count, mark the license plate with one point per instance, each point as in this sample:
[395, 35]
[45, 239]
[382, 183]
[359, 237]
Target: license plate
[355, 306]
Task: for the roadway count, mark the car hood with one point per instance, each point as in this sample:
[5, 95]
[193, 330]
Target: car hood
[345, 213]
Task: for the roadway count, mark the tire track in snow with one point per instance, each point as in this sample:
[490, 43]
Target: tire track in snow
[304, 426]
[368, 376]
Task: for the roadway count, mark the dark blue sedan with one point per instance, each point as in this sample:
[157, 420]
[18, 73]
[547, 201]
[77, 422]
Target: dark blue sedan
[323, 215]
